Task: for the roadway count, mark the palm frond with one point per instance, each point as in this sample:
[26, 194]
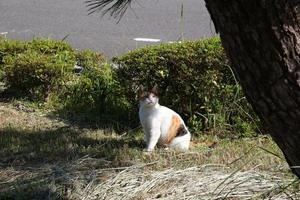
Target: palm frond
[116, 8]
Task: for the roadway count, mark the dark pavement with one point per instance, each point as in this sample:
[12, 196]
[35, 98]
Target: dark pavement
[157, 19]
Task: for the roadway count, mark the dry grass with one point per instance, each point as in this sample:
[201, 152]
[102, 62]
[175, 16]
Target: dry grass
[18, 115]
[81, 180]
[46, 158]
[203, 182]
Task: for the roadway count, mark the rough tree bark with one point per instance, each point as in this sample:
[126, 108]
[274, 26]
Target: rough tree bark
[262, 41]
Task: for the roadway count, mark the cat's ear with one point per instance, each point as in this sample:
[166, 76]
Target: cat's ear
[154, 90]
[140, 92]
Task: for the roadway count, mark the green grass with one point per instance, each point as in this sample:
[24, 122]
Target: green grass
[38, 152]
[39, 138]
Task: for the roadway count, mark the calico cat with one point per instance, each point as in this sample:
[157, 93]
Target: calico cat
[161, 125]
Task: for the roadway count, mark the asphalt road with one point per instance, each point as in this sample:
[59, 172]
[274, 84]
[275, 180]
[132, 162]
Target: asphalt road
[157, 19]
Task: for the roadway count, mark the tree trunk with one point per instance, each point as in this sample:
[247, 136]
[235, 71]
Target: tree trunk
[262, 41]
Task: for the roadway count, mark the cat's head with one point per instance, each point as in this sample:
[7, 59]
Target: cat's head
[148, 98]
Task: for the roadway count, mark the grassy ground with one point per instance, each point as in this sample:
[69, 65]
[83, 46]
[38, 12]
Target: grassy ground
[44, 157]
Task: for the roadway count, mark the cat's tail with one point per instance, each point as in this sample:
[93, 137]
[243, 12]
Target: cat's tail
[181, 142]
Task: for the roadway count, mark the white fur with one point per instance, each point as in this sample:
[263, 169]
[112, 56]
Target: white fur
[156, 121]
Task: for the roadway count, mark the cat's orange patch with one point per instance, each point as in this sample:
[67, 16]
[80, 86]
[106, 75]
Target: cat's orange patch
[172, 132]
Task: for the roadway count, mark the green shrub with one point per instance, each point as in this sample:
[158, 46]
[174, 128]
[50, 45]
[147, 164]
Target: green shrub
[34, 69]
[41, 46]
[11, 47]
[93, 93]
[89, 60]
[194, 79]
[43, 70]
[49, 46]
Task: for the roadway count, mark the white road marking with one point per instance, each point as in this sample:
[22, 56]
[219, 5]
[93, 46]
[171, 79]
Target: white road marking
[146, 40]
[3, 34]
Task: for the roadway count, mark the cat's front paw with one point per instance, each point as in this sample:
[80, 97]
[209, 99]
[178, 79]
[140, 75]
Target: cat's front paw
[148, 150]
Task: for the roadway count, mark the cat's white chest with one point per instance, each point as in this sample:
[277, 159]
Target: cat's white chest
[158, 119]
[150, 118]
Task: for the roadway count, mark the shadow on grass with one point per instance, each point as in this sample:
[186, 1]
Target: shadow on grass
[7, 94]
[33, 162]
[96, 119]
[34, 192]
[74, 115]
[18, 147]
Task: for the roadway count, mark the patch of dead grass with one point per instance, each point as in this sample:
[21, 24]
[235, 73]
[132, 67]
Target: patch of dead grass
[81, 179]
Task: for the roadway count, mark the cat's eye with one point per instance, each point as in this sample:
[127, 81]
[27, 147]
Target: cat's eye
[152, 95]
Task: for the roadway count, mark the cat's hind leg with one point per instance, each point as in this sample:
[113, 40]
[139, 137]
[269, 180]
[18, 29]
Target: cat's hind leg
[181, 143]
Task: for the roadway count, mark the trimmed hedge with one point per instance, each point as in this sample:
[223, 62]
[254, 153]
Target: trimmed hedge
[42, 70]
[31, 68]
[94, 91]
[195, 80]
